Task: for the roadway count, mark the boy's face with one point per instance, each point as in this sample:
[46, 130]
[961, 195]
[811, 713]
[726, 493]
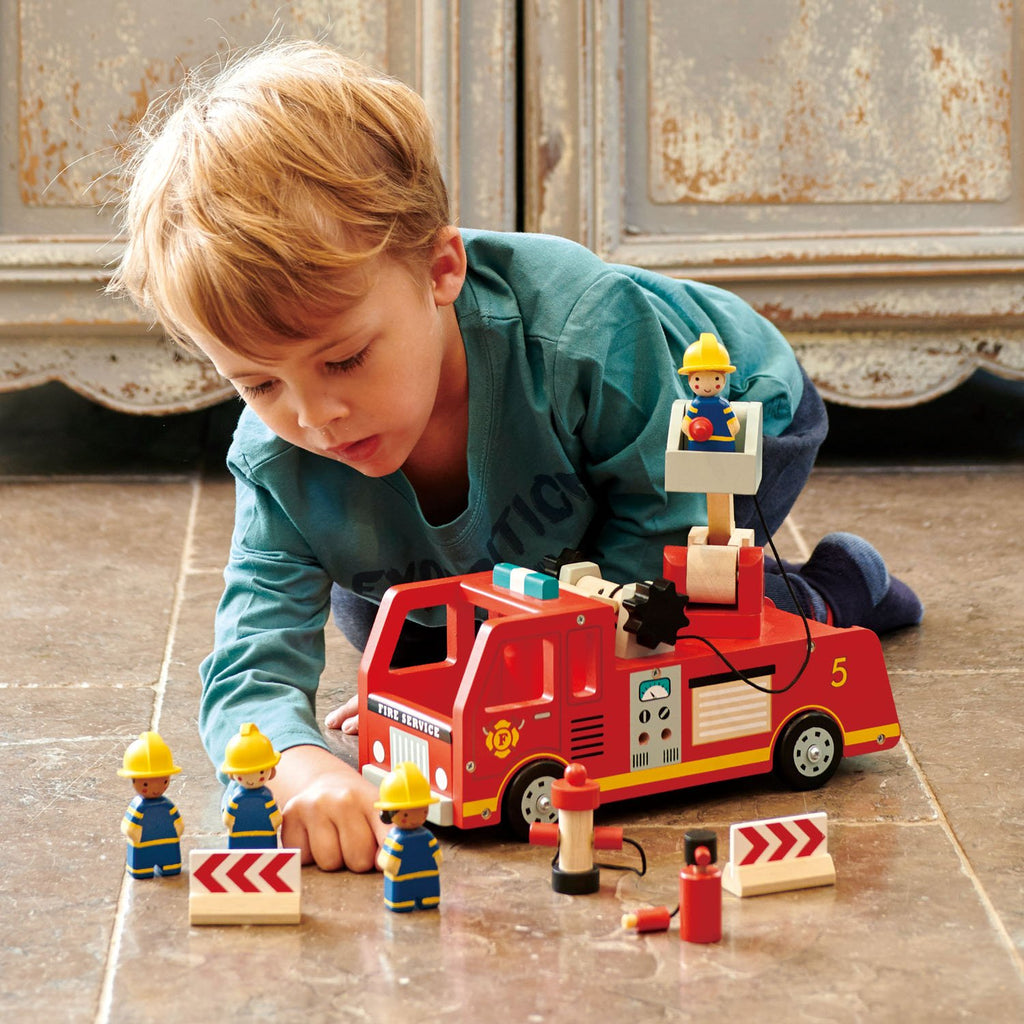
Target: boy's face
[365, 387]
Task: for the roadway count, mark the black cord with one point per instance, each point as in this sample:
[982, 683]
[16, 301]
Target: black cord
[629, 867]
[799, 607]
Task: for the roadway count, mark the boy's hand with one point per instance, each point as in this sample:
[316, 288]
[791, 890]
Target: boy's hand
[345, 718]
[328, 810]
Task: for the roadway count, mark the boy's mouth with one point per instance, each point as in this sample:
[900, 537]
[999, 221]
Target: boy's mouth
[356, 451]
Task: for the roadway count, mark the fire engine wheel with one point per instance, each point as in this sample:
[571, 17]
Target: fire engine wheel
[809, 751]
[528, 798]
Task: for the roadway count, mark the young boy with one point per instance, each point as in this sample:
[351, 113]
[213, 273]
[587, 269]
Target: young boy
[420, 401]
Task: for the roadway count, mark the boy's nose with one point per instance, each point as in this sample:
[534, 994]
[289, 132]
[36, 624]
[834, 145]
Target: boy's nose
[315, 412]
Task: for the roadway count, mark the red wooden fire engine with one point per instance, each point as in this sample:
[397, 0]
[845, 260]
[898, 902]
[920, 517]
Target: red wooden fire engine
[546, 669]
[539, 684]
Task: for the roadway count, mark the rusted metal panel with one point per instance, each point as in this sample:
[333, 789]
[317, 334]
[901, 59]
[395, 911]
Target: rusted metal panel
[131, 373]
[830, 101]
[557, 110]
[85, 80]
[889, 369]
[465, 55]
[59, 325]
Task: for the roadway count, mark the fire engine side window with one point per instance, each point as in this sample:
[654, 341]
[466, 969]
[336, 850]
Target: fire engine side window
[524, 672]
[581, 652]
[437, 634]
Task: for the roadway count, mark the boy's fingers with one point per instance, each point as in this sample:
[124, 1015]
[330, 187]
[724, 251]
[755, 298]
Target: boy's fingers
[357, 835]
[295, 837]
[348, 710]
[326, 846]
[359, 846]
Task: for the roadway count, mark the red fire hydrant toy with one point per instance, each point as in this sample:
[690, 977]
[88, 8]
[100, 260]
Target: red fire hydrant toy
[575, 797]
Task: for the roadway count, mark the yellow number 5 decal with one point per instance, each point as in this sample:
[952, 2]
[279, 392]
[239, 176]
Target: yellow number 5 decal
[839, 673]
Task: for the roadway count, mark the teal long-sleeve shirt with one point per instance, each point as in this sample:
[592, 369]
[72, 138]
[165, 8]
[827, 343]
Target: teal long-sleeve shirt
[572, 367]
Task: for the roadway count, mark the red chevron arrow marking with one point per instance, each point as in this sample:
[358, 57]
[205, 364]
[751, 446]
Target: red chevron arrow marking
[815, 837]
[758, 844]
[237, 872]
[204, 873]
[271, 873]
[786, 840]
[781, 839]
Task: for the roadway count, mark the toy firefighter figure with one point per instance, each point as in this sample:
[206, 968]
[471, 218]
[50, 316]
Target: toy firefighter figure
[410, 857]
[250, 810]
[709, 422]
[152, 824]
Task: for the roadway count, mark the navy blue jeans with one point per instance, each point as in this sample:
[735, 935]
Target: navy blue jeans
[786, 463]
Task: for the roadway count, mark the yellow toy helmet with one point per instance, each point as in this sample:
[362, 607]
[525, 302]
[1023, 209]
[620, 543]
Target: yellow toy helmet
[147, 758]
[249, 751]
[706, 354]
[404, 787]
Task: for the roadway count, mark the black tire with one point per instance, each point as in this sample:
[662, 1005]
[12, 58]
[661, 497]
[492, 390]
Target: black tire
[528, 798]
[809, 751]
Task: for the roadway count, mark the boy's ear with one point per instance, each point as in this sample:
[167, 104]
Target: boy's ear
[448, 266]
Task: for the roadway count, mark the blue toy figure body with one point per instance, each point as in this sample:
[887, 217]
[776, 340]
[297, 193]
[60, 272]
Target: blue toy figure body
[414, 882]
[155, 821]
[719, 413]
[251, 816]
[151, 825]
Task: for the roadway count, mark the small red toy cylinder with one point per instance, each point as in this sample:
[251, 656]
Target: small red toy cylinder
[648, 919]
[543, 833]
[607, 837]
[700, 889]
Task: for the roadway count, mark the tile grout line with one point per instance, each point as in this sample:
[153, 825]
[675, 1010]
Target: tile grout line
[990, 911]
[113, 953]
[179, 601]
[917, 469]
[797, 536]
[96, 478]
[121, 910]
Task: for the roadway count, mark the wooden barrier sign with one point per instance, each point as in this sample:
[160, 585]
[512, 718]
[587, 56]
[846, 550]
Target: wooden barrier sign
[777, 854]
[245, 886]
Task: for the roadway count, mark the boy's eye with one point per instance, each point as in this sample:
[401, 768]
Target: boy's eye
[255, 390]
[350, 364]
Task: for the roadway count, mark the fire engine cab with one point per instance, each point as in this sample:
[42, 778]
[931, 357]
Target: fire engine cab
[653, 686]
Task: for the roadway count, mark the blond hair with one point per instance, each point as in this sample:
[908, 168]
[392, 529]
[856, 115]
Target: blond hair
[269, 188]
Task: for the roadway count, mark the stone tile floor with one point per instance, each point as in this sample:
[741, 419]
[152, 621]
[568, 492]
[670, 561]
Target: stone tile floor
[112, 536]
